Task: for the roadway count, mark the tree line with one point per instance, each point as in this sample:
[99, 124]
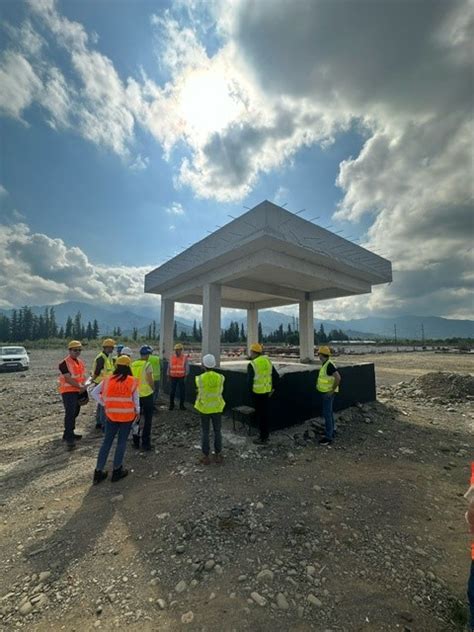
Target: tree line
[24, 324]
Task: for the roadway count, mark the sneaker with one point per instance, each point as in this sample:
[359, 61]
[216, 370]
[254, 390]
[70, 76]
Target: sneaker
[118, 474]
[325, 441]
[205, 460]
[218, 458]
[99, 476]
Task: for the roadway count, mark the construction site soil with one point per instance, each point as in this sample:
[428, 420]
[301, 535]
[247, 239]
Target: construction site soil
[368, 534]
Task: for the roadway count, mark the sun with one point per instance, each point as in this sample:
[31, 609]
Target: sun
[205, 102]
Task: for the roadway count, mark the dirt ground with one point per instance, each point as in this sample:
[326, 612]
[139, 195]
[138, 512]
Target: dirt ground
[366, 535]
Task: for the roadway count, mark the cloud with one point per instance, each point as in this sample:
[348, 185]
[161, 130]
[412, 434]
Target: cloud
[3, 191]
[175, 209]
[140, 163]
[37, 269]
[20, 84]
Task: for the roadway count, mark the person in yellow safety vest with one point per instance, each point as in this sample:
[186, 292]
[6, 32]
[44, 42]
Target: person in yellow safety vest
[327, 384]
[103, 367]
[262, 379]
[143, 371]
[155, 362]
[210, 403]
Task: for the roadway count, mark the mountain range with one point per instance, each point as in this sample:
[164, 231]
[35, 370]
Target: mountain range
[141, 316]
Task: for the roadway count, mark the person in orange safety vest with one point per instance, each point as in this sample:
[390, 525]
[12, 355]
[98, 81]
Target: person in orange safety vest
[178, 369]
[71, 385]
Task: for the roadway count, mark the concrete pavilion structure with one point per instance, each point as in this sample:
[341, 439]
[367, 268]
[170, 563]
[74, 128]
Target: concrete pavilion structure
[267, 257]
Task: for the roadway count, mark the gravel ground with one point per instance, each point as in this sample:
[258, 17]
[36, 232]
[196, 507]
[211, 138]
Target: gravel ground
[365, 535]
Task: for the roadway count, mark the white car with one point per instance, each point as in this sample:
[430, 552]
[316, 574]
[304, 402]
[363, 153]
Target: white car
[12, 358]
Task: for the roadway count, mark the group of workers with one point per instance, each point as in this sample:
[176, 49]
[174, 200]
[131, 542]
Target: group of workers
[126, 392]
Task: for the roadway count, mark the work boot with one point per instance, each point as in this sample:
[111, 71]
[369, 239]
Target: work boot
[182, 407]
[325, 441]
[77, 437]
[148, 448]
[260, 441]
[136, 441]
[205, 460]
[71, 446]
[218, 458]
[118, 474]
[99, 476]
[171, 406]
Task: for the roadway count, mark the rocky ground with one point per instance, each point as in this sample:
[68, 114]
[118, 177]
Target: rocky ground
[365, 535]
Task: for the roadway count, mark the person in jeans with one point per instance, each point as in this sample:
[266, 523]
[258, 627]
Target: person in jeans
[178, 369]
[262, 379]
[327, 384]
[71, 382]
[143, 371]
[210, 403]
[118, 394]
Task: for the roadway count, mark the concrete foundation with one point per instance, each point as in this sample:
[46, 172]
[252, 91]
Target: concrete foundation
[296, 399]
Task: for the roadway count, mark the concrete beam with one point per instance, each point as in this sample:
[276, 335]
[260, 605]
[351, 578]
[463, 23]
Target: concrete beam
[333, 292]
[211, 321]
[252, 327]
[166, 328]
[267, 288]
[306, 331]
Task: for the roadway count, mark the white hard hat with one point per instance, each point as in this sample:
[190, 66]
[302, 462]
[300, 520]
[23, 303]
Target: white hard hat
[209, 361]
[126, 351]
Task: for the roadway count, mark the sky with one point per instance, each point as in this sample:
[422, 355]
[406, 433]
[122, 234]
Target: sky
[130, 129]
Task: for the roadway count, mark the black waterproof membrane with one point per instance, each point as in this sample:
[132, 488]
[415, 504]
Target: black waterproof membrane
[296, 398]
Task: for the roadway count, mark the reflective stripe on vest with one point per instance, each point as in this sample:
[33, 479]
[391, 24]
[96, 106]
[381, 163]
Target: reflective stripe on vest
[156, 366]
[118, 398]
[209, 398]
[77, 370]
[325, 382]
[139, 371]
[262, 381]
[108, 367]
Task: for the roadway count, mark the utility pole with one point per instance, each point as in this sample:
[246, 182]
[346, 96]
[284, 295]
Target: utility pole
[395, 334]
[422, 335]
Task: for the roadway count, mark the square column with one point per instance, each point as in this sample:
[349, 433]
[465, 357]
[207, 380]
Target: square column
[306, 331]
[252, 327]
[211, 320]
[166, 328]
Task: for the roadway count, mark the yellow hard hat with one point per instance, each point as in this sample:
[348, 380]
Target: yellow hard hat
[178, 346]
[324, 351]
[123, 360]
[74, 344]
[108, 342]
[256, 347]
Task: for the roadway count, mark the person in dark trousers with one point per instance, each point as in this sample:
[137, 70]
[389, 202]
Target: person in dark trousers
[327, 384]
[210, 403]
[262, 379]
[178, 369]
[143, 371]
[118, 394]
[72, 378]
[469, 496]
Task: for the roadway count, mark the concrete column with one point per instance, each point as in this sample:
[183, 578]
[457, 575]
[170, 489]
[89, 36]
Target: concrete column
[252, 327]
[166, 328]
[211, 320]
[306, 331]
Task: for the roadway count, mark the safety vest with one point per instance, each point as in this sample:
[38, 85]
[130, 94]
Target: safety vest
[77, 370]
[178, 365]
[139, 371]
[262, 381]
[209, 398]
[325, 382]
[156, 366]
[108, 367]
[118, 398]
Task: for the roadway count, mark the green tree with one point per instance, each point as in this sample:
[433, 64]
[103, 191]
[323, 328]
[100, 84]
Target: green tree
[135, 334]
[95, 330]
[260, 332]
[69, 328]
